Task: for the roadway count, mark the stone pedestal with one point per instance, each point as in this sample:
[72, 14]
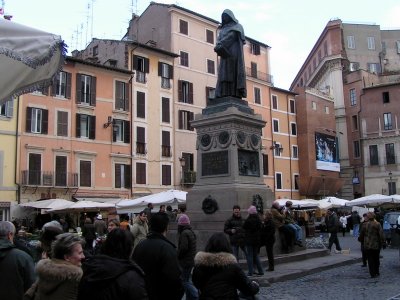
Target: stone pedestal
[229, 166]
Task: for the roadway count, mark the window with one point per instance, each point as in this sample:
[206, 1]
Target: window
[354, 121]
[327, 110]
[141, 66]
[165, 112]
[183, 27]
[293, 129]
[184, 61]
[296, 181]
[140, 105]
[353, 97]
[387, 121]
[121, 96]
[61, 170]
[35, 168]
[141, 140]
[121, 131]
[122, 176]
[210, 93]
[62, 85]
[257, 95]
[392, 187]
[37, 120]
[371, 43]
[209, 36]
[165, 144]
[295, 151]
[210, 66]
[85, 126]
[62, 123]
[255, 49]
[356, 145]
[140, 173]
[184, 120]
[6, 109]
[390, 157]
[254, 70]
[292, 106]
[373, 155]
[166, 174]
[351, 44]
[277, 149]
[86, 89]
[185, 91]
[278, 180]
[274, 102]
[85, 173]
[95, 50]
[374, 68]
[275, 124]
[166, 73]
[313, 105]
[385, 96]
[265, 164]
[354, 66]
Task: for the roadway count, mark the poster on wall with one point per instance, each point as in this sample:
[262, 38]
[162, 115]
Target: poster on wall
[326, 152]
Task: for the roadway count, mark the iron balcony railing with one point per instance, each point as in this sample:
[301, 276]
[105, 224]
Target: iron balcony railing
[189, 177]
[166, 151]
[260, 75]
[49, 178]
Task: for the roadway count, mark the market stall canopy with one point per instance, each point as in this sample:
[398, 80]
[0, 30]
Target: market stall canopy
[332, 202]
[374, 200]
[167, 197]
[29, 59]
[47, 204]
[306, 203]
[84, 206]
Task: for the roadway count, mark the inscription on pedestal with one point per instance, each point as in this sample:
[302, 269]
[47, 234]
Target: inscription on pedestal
[214, 163]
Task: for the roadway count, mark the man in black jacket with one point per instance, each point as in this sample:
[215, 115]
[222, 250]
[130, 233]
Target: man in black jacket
[332, 224]
[158, 258]
[233, 228]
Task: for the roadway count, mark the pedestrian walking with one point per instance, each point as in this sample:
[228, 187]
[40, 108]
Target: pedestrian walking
[139, 229]
[373, 239]
[333, 225]
[233, 227]
[89, 234]
[16, 266]
[186, 251]
[343, 223]
[100, 226]
[363, 254]
[252, 230]
[216, 273]
[158, 258]
[355, 221]
[268, 238]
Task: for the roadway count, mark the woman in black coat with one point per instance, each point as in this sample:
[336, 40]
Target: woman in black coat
[268, 238]
[111, 274]
[216, 273]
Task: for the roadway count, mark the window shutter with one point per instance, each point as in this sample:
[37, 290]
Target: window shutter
[28, 119]
[93, 91]
[9, 108]
[135, 62]
[114, 132]
[68, 86]
[78, 88]
[128, 177]
[53, 88]
[140, 134]
[78, 125]
[165, 138]
[141, 173]
[265, 164]
[127, 132]
[191, 117]
[180, 91]
[170, 72]
[146, 65]
[160, 68]
[92, 127]
[180, 119]
[165, 110]
[141, 110]
[45, 121]
[190, 93]
[118, 175]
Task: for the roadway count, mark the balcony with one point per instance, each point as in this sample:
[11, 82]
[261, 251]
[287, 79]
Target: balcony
[140, 77]
[259, 75]
[141, 148]
[48, 179]
[166, 151]
[188, 178]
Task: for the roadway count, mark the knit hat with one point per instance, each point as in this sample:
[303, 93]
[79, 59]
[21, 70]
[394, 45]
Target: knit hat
[99, 217]
[252, 210]
[183, 220]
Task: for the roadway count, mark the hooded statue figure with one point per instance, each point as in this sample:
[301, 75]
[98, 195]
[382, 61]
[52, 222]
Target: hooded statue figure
[229, 46]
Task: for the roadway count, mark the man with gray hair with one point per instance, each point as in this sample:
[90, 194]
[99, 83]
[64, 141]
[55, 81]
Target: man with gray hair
[16, 266]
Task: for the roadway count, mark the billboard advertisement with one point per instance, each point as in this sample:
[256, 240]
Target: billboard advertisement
[326, 150]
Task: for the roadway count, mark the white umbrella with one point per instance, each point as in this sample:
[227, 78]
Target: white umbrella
[166, 197]
[29, 58]
[373, 200]
[47, 204]
[84, 206]
[306, 203]
[332, 202]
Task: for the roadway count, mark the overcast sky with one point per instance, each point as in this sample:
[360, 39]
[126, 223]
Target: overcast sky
[289, 27]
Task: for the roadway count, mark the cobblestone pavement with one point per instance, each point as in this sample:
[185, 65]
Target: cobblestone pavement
[346, 282]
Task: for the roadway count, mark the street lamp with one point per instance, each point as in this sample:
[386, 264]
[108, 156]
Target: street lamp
[323, 183]
[390, 183]
[182, 161]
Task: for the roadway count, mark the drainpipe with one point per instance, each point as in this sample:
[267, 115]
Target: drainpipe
[290, 149]
[18, 191]
[130, 96]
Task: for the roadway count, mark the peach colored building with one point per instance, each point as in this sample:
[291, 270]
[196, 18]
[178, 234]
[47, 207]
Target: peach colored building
[75, 136]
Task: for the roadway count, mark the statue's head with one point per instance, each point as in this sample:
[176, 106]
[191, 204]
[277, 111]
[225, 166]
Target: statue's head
[228, 16]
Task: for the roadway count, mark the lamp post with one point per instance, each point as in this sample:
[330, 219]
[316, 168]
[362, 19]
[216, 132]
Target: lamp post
[323, 185]
[390, 183]
[182, 161]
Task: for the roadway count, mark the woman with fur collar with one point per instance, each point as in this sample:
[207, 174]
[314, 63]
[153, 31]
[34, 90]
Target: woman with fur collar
[59, 277]
[140, 228]
[216, 273]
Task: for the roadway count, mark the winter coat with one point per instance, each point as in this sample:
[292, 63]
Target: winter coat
[371, 235]
[187, 247]
[218, 276]
[139, 230]
[100, 227]
[237, 238]
[355, 218]
[277, 217]
[267, 235]
[332, 223]
[88, 232]
[158, 258]
[108, 278]
[57, 279]
[16, 271]
[252, 229]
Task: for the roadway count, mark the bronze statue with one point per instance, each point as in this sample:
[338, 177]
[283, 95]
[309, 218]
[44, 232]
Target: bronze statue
[229, 47]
